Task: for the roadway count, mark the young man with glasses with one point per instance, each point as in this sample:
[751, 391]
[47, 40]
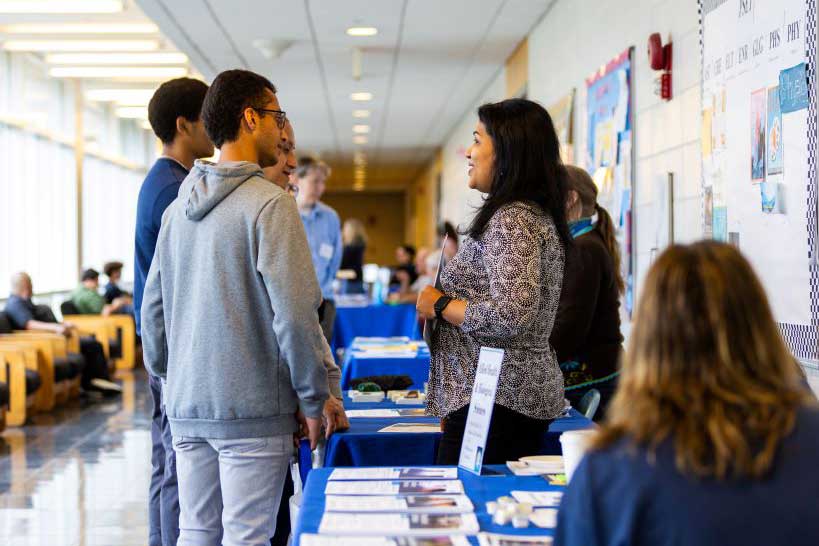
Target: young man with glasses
[230, 321]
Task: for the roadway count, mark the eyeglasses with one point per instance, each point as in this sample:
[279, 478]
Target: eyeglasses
[281, 116]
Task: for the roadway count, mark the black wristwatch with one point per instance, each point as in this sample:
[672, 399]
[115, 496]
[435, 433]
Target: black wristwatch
[440, 305]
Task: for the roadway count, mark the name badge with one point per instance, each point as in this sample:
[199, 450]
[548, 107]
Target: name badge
[326, 251]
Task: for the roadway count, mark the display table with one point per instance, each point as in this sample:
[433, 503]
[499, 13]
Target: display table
[480, 490]
[363, 445]
[355, 366]
[374, 320]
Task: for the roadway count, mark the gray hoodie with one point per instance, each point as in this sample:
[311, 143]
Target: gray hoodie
[229, 315]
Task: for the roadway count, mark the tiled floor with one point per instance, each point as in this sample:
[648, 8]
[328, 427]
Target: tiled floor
[79, 476]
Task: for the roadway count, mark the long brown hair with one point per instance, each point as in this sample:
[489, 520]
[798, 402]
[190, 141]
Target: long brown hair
[580, 182]
[706, 367]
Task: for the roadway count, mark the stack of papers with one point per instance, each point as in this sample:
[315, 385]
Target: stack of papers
[387, 347]
[538, 498]
[427, 504]
[536, 465]
[386, 413]
[325, 540]
[400, 473]
[402, 524]
[412, 427]
[491, 539]
[395, 488]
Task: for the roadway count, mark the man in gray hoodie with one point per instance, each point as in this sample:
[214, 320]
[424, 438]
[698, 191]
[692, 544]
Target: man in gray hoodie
[229, 321]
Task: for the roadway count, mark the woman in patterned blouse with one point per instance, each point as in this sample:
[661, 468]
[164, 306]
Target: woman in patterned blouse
[502, 288]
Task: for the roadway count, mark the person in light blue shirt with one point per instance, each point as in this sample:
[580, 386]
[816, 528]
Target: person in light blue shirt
[323, 229]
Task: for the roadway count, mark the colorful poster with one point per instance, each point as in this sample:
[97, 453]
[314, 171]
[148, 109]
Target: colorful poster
[758, 106]
[772, 197]
[794, 84]
[720, 224]
[561, 113]
[773, 144]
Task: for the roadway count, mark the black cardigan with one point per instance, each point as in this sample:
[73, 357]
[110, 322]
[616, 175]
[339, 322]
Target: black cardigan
[587, 326]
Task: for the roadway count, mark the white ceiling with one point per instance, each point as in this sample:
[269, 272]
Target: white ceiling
[428, 64]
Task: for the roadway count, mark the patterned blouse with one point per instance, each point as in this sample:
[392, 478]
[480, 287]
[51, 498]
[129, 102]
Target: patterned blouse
[511, 279]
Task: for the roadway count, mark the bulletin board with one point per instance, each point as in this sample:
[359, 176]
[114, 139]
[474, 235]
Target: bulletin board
[609, 153]
[759, 148]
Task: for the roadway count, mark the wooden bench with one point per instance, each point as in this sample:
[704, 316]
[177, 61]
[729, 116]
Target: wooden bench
[18, 358]
[110, 327]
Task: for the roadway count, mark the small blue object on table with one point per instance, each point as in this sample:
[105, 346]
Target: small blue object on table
[373, 320]
[357, 365]
[479, 489]
[363, 445]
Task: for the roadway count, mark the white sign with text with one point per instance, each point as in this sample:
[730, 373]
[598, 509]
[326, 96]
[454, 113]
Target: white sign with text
[480, 409]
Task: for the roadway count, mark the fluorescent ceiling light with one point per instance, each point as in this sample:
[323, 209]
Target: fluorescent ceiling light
[124, 97]
[361, 129]
[360, 139]
[129, 72]
[116, 58]
[361, 113]
[80, 28]
[362, 31]
[81, 45]
[362, 96]
[60, 6]
[132, 112]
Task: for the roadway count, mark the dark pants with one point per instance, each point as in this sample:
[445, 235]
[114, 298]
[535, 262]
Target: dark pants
[163, 495]
[327, 319]
[96, 365]
[607, 390]
[511, 436]
[283, 517]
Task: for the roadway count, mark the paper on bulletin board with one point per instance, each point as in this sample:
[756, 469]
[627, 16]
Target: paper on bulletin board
[561, 113]
[758, 163]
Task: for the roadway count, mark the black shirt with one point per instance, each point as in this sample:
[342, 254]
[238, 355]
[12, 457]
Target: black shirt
[20, 311]
[112, 292]
[353, 258]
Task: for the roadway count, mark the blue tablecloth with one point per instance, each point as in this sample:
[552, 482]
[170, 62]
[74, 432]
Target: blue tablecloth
[373, 320]
[480, 489]
[354, 367]
[363, 445]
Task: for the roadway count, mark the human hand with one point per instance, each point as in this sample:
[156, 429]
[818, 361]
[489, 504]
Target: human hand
[335, 419]
[426, 302]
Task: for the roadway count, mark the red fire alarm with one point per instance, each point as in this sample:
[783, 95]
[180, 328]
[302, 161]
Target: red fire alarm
[659, 57]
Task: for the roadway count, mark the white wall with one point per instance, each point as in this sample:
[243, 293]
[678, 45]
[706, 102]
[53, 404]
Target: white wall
[457, 201]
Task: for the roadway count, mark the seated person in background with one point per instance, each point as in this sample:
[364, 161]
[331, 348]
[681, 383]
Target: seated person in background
[405, 270]
[113, 270]
[426, 263]
[88, 301]
[25, 315]
[586, 334]
[713, 435]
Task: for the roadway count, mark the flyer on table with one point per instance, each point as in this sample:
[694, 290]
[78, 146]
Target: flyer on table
[398, 524]
[329, 540]
[393, 488]
[375, 473]
[428, 504]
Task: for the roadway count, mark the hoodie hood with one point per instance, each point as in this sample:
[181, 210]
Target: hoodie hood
[209, 183]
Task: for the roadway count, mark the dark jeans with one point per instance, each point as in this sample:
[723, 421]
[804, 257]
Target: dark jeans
[327, 318]
[96, 365]
[512, 435]
[163, 494]
[283, 517]
[606, 388]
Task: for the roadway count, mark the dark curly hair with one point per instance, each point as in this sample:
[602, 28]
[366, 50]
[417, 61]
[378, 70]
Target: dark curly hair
[230, 93]
[527, 164]
[174, 98]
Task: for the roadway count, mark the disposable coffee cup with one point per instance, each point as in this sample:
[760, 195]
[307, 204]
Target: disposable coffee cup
[574, 444]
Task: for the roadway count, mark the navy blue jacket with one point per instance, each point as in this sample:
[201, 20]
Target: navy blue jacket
[159, 189]
[617, 498]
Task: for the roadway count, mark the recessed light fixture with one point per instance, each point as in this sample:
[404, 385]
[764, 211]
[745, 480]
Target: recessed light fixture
[81, 45]
[359, 139]
[361, 129]
[362, 31]
[362, 96]
[101, 59]
[132, 112]
[123, 97]
[60, 6]
[80, 28]
[361, 113]
[126, 72]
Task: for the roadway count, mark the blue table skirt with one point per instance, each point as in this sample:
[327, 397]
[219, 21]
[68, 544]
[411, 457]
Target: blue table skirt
[480, 489]
[417, 368]
[363, 445]
[374, 321]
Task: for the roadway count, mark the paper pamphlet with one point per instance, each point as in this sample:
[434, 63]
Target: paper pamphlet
[538, 498]
[427, 504]
[519, 468]
[393, 488]
[411, 427]
[330, 540]
[431, 324]
[489, 539]
[383, 474]
[398, 524]
[372, 413]
[480, 409]
[545, 518]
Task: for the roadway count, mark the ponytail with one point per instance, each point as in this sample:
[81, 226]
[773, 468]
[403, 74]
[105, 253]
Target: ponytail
[605, 227]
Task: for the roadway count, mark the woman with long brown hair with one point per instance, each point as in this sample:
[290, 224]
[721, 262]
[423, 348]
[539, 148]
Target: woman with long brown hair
[713, 435]
[587, 334]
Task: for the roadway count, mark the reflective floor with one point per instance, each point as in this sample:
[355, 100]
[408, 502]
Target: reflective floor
[80, 475]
